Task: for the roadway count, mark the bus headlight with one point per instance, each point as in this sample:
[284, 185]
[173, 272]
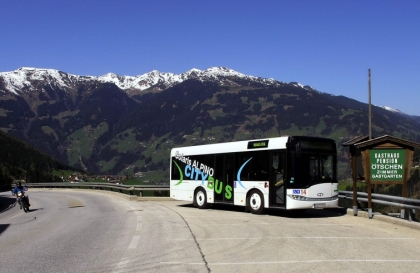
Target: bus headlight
[335, 197]
[298, 197]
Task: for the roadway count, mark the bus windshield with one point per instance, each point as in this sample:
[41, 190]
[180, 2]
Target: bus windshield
[311, 169]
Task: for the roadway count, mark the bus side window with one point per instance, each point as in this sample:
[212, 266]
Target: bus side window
[175, 172]
[246, 171]
[261, 165]
[256, 168]
[279, 166]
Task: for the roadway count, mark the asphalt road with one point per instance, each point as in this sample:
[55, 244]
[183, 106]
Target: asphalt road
[90, 231]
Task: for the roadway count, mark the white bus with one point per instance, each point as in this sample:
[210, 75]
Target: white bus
[283, 172]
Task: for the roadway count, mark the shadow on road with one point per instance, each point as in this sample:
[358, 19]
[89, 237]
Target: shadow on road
[310, 213]
[6, 199]
[32, 210]
[3, 228]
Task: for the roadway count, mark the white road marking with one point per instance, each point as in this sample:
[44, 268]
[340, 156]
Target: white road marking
[121, 265]
[134, 242]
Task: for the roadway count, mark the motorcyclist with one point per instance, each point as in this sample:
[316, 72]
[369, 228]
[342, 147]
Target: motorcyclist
[21, 188]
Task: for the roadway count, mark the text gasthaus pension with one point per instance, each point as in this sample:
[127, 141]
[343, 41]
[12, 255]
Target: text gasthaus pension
[387, 165]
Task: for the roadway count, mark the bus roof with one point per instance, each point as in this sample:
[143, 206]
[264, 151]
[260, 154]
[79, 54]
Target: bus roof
[235, 146]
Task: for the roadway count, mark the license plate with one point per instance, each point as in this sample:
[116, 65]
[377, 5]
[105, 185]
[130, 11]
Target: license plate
[320, 205]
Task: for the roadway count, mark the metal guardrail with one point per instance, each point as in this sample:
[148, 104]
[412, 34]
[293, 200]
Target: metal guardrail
[111, 186]
[388, 200]
[401, 202]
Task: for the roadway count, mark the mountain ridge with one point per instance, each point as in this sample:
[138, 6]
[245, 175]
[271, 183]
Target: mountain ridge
[102, 128]
[15, 81]
[19, 80]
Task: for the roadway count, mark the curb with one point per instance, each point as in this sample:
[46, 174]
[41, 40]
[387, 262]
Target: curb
[385, 218]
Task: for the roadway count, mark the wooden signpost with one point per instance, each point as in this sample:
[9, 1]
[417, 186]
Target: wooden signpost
[385, 160]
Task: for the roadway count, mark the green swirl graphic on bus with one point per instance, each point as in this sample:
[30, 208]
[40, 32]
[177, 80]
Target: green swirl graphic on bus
[205, 173]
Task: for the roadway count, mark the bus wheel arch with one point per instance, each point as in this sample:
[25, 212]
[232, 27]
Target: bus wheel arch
[255, 202]
[200, 198]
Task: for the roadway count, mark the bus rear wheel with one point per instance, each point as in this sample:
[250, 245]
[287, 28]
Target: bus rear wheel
[256, 202]
[201, 198]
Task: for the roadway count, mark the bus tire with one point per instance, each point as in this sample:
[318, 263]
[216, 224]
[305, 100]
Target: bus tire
[256, 202]
[200, 198]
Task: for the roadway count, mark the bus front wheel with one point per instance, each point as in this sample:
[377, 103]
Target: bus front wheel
[256, 202]
[201, 199]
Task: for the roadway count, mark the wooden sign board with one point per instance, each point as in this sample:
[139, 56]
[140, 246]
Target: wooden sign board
[386, 160]
[386, 166]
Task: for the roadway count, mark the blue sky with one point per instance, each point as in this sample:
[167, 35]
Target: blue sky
[327, 44]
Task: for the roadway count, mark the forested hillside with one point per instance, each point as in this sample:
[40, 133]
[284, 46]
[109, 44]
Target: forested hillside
[19, 161]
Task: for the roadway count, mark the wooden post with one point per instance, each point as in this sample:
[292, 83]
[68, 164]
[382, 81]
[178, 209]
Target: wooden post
[354, 175]
[370, 109]
[367, 177]
[370, 200]
[407, 167]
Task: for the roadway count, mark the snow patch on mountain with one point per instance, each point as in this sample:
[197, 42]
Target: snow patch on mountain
[393, 110]
[24, 79]
[307, 87]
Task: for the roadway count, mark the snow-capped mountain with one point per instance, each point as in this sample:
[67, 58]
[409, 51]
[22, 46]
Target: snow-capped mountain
[26, 79]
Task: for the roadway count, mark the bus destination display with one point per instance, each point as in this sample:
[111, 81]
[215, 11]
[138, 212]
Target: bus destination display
[317, 145]
[258, 144]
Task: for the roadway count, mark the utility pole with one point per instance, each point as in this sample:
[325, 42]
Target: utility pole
[370, 108]
[371, 188]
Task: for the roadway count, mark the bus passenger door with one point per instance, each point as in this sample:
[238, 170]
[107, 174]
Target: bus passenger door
[223, 178]
[277, 180]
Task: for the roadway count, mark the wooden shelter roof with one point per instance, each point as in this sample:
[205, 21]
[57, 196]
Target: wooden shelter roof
[387, 139]
[355, 140]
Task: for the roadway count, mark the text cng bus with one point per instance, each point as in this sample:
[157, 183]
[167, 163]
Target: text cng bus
[284, 172]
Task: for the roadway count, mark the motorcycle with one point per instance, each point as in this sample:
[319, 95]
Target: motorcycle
[22, 200]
